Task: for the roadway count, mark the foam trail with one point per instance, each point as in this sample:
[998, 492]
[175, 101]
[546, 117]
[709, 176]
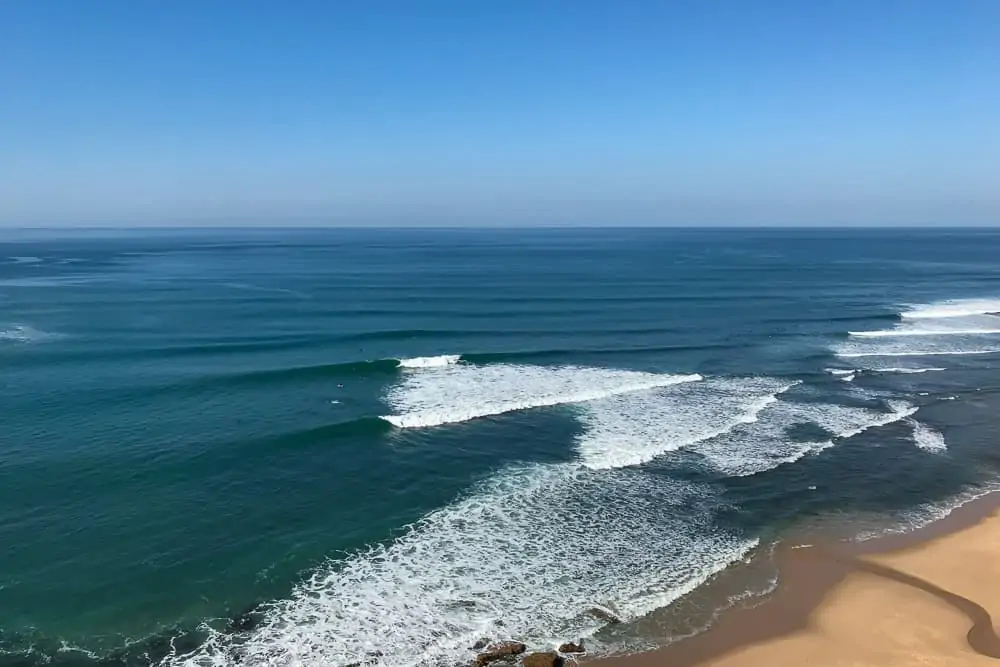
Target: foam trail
[926, 437]
[765, 444]
[524, 557]
[634, 428]
[840, 371]
[953, 308]
[430, 362]
[458, 393]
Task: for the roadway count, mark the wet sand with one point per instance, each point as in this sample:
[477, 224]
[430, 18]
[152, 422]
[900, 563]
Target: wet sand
[931, 597]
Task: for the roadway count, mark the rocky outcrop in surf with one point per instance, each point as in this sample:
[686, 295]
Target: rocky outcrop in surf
[501, 651]
[571, 647]
[546, 659]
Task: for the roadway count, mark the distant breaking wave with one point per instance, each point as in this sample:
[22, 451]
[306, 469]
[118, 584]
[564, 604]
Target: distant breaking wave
[896, 333]
[915, 353]
[953, 308]
[908, 370]
[956, 327]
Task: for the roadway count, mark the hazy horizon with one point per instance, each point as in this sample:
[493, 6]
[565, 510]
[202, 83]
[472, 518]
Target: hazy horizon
[450, 114]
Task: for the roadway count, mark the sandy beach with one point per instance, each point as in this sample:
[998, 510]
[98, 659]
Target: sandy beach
[930, 598]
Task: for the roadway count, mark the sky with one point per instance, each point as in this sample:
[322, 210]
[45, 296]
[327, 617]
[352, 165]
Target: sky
[490, 112]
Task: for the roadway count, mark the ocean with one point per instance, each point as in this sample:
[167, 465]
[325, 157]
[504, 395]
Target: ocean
[322, 447]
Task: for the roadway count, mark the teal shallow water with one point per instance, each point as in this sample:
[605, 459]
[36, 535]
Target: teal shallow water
[195, 422]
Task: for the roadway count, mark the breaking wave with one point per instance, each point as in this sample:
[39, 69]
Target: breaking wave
[459, 392]
[944, 328]
[430, 362]
[926, 437]
[953, 308]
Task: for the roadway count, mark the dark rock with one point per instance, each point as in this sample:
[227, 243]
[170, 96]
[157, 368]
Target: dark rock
[570, 647]
[481, 644]
[549, 659]
[602, 614]
[501, 651]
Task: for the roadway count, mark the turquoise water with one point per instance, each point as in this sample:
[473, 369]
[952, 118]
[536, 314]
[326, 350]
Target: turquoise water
[404, 440]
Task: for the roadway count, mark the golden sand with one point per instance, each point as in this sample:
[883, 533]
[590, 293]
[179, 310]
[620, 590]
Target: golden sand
[932, 604]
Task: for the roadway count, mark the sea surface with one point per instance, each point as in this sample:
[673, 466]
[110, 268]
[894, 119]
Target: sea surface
[322, 447]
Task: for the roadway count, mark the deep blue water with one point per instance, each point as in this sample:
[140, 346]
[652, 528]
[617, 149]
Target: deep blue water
[196, 422]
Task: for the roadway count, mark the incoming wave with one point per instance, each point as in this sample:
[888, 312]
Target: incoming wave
[459, 392]
[525, 557]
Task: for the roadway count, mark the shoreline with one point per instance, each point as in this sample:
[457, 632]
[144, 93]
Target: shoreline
[812, 578]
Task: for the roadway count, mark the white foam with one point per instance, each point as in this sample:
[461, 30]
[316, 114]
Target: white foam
[524, 557]
[915, 353]
[840, 371]
[908, 371]
[953, 308]
[926, 437]
[430, 362]
[634, 428]
[896, 333]
[457, 393]
[23, 333]
[767, 443]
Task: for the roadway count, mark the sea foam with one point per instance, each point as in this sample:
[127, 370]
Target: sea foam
[634, 428]
[524, 557]
[767, 443]
[926, 437]
[459, 392]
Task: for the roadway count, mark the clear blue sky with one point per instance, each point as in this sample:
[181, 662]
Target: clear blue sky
[499, 112]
